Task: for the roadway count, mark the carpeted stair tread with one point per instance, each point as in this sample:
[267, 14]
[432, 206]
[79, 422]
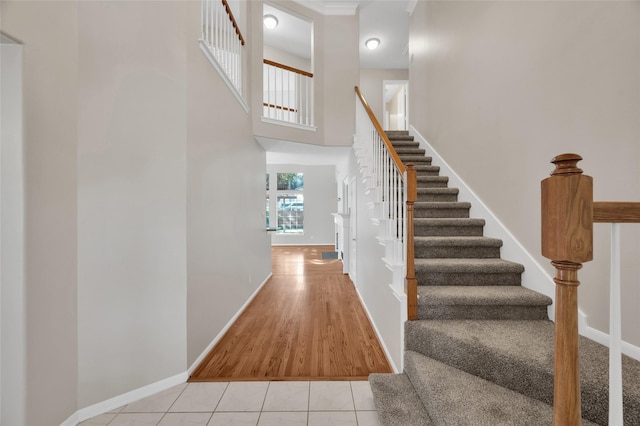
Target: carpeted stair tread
[415, 159]
[432, 181]
[486, 295]
[448, 209]
[456, 247]
[397, 402]
[454, 397]
[438, 226]
[409, 151]
[481, 302]
[469, 265]
[426, 170]
[438, 194]
[519, 355]
[406, 143]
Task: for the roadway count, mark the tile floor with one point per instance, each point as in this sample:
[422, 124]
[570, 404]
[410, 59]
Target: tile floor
[250, 404]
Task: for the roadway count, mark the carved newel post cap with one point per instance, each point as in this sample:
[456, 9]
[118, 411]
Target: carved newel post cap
[566, 164]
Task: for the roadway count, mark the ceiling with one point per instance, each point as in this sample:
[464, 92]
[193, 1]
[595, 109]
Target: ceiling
[387, 20]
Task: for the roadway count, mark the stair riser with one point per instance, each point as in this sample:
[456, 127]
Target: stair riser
[466, 278]
[476, 312]
[448, 231]
[441, 213]
[438, 198]
[428, 251]
[428, 171]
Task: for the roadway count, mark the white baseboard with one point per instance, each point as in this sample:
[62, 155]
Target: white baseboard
[148, 390]
[124, 399]
[226, 327]
[603, 338]
[535, 277]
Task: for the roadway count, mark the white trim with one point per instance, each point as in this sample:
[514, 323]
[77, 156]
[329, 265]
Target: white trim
[124, 399]
[384, 346]
[226, 328]
[288, 124]
[535, 277]
[223, 75]
[603, 338]
[336, 9]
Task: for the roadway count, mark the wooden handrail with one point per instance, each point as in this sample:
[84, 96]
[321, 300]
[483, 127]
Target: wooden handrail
[288, 68]
[383, 135]
[268, 105]
[616, 212]
[233, 21]
[568, 215]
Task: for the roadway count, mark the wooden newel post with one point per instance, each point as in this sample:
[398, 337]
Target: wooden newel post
[411, 283]
[567, 239]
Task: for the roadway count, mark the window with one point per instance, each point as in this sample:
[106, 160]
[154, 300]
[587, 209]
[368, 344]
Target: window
[289, 203]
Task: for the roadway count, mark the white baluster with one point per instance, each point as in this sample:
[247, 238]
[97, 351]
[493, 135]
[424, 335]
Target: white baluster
[615, 332]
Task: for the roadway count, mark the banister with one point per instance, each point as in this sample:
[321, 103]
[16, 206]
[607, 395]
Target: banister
[383, 135]
[616, 212]
[568, 215]
[233, 21]
[287, 68]
[567, 239]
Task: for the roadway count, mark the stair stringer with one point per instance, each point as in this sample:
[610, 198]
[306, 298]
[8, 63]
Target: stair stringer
[534, 277]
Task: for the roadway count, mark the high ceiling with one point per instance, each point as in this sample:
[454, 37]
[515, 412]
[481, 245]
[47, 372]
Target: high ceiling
[387, 20]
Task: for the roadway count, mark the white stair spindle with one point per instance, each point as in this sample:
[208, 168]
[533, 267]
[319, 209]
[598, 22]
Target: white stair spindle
[615, 332]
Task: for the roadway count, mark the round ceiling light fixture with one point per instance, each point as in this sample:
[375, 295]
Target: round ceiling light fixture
[270, 21]
[372, 43]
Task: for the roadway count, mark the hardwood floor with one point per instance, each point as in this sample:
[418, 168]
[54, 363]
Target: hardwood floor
[306, 323]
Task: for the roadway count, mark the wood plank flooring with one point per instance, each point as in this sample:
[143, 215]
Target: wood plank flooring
[306, 323]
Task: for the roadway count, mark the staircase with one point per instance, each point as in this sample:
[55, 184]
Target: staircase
[481, 351]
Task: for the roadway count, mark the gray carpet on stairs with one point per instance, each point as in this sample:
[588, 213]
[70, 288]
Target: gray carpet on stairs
[481, 352]
[453, 397]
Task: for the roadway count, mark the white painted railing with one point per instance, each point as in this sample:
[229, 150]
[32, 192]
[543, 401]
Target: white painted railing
[288, 94]
[393, 191]
[222, 38]
[615, 332]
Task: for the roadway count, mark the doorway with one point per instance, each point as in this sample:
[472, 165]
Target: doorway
[395, 105]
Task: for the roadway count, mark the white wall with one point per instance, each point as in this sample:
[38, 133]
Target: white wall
[499, 88]
[50, 134]
[12, 288]
[320, 200]
[286, 58]
[134, 147]
[228, 248]
[131, 197]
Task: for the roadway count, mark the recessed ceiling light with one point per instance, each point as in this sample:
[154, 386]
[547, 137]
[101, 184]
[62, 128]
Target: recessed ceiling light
[270, 21]
[372, 43]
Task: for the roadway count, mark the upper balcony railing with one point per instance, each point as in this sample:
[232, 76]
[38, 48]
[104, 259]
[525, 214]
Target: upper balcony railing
[222, 41]
[288, 94]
